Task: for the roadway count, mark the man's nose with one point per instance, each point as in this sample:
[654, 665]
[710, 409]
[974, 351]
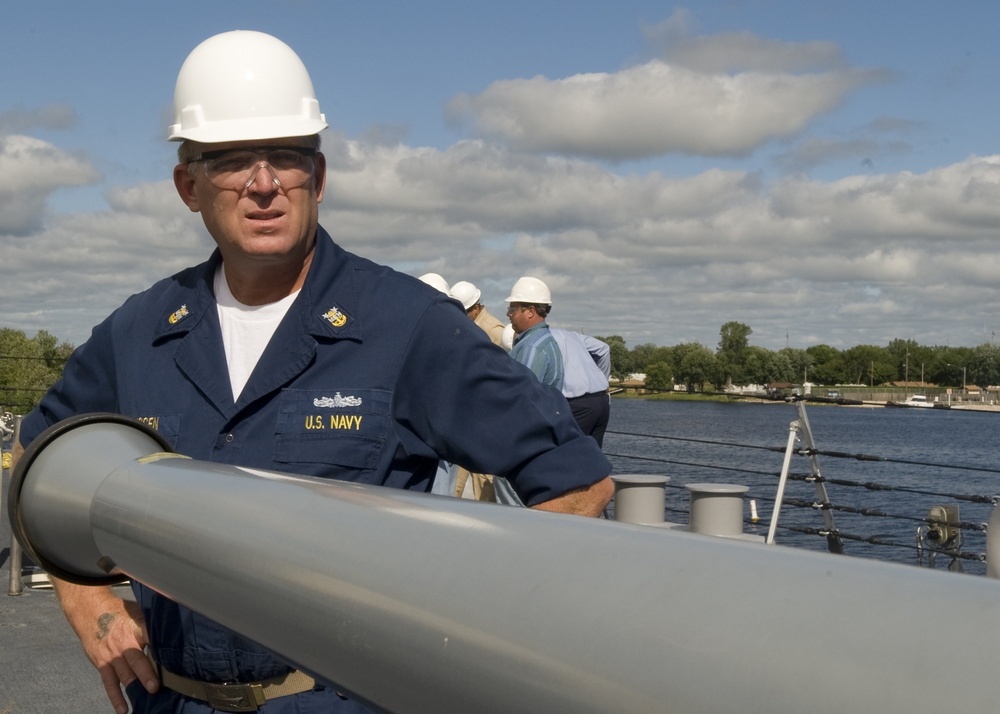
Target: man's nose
[265, 181]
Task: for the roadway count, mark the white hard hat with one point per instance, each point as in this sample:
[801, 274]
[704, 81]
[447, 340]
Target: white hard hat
[531, 290]
[437, 282]
[507, 337]
[244, 86]
[466, 293]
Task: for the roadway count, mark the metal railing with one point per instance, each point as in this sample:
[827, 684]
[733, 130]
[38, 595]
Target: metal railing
[15, 586]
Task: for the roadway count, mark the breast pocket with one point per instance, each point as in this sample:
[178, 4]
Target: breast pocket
[343, 427]
[166, 425]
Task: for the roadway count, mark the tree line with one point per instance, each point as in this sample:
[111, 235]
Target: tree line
[736, 362]
[30, 365]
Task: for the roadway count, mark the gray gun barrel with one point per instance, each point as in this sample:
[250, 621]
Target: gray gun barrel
[417, 603]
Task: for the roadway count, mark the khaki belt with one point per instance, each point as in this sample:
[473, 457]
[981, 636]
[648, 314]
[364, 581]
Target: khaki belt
[236, 696]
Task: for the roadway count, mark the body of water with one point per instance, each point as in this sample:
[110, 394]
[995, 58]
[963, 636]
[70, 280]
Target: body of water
[743, 443]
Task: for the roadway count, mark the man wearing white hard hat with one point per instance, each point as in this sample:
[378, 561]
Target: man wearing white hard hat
[242, 359]
[530, 302]
[437, 282]
[470, 296]
[574, 363]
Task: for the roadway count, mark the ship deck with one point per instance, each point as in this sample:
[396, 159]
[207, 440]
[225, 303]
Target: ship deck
[43, 669]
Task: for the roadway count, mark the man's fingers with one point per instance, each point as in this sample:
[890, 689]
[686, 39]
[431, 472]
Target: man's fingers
[113, 688]
[142, 669]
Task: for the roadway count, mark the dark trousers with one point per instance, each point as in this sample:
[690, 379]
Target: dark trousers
[591, 412]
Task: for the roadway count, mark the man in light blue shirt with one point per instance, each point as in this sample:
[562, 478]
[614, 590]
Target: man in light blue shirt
[534, 346]
[530, 302]
[586, 369]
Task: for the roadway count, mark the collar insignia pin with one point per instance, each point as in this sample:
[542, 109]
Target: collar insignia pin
[178, 315]
[335, 317]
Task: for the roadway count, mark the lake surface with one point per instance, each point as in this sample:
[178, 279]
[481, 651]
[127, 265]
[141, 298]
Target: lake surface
[728, 443]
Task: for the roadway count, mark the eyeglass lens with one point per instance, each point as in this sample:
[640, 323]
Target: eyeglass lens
[289, 168]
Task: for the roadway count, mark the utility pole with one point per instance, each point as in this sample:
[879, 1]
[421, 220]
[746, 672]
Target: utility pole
[949, 364]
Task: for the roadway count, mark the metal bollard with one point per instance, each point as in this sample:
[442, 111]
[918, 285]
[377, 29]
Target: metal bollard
[993, 545]
[716, 508]
[639, 498]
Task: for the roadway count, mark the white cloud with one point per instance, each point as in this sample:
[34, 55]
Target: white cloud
[650, 256]
[30, 171]
[70, 273]
[654, 258]
[718, 95]
[654, 109]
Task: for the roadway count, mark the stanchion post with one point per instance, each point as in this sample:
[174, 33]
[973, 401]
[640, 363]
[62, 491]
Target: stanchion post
[793, 433]
[15, 585]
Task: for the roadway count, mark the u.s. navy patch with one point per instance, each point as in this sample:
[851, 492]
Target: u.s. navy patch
[178, 315]
[335, 317]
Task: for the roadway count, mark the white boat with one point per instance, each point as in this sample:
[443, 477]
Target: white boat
[914, 400]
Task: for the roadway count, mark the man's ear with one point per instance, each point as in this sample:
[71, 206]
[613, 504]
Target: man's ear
[320, 177]
[184, 183]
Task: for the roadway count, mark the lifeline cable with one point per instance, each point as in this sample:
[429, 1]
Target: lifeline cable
[874, 512]
[811, 452]
[870, 512]
[878, 540]
[871, 486]
[809, 477]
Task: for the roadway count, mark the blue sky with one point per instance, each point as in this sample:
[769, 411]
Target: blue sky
[825, 172]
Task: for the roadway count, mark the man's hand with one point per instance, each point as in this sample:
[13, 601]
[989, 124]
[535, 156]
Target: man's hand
[113, 634]
[589, 501]
[111, 630]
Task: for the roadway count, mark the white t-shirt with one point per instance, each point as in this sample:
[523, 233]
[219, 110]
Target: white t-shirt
[246, 330]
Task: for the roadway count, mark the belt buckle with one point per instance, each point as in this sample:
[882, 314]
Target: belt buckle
[235, 697]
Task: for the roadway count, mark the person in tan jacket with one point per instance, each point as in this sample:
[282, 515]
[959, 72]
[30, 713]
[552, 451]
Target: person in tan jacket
[469, 295]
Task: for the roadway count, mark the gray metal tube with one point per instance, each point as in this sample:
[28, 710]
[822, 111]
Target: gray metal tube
[418, 603]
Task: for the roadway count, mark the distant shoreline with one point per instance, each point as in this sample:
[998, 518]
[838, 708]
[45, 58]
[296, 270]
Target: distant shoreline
[632, 393]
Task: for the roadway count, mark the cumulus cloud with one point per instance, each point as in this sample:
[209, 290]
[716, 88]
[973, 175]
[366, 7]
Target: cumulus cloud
[654, 258]
[30, 171]
[655, 109]
[648, 254]
[70, 272]
[722, 95]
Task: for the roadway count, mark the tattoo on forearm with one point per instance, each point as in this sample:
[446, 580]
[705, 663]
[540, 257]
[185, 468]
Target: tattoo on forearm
[104, 625]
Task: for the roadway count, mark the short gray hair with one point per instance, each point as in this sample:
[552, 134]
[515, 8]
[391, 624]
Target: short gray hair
[188, 150]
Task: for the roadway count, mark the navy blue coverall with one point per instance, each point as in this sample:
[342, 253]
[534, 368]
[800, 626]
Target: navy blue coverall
[371, 377]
